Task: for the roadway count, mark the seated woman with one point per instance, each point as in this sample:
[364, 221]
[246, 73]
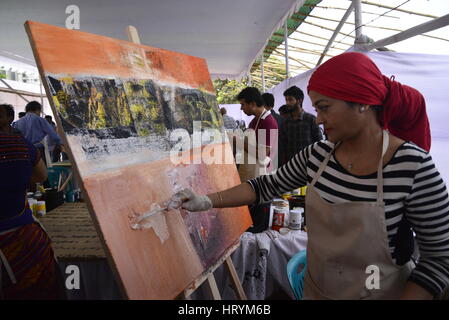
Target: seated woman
[366, 188]
[27, 262]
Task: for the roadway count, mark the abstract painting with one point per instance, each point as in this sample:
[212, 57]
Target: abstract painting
[119, 105]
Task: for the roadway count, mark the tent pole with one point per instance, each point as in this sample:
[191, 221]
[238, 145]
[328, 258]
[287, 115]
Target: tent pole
[414, 31]
[358, 19]
[337, 30]
[40, 88]
[13, 90]
[286, 48]
[262, 73]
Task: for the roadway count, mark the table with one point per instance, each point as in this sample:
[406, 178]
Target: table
[75, 242]
[260, 261]
[261, 264]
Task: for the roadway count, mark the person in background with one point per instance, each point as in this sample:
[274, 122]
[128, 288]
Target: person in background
[229, 122]
[241, 125]
[54, 152]
[50, 121]
[367, 189]
[27, 263]
[22, 114]
[284, 112]
[57, 153]
[268, 99]
[7, 119]
[299, 128]
[263, 123]
[34, 128]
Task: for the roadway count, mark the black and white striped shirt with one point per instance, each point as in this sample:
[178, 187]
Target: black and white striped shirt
[414, 193]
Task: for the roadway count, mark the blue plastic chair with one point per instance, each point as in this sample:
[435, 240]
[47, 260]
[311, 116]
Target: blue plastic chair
[296, 269]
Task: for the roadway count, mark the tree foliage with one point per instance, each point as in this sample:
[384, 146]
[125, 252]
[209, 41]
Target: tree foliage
[274, 73]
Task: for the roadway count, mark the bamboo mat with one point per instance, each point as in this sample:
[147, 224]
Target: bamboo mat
[72, 232]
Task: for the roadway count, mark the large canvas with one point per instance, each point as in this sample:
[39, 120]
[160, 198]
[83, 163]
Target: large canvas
[119, 104]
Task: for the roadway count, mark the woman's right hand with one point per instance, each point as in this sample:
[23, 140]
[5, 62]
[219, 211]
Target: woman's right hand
[190, 201]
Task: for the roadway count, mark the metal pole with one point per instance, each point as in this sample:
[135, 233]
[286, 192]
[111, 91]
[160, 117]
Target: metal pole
[262, 73]
[337, 30]
[14, 91]
[42, 99]
[414, 31]
[286, 48]
[358, 19]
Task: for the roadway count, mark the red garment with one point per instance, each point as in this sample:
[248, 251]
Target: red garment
[354, 77]
[30, 255]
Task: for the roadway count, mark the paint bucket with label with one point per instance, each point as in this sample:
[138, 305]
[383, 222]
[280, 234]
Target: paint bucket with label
[280, 216]
[295, 218]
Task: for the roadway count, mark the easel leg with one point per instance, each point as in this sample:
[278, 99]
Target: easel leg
[235, 279]
[213, 287]
[211, 283]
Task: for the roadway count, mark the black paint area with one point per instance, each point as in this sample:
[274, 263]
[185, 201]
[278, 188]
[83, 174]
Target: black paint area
[115, 108]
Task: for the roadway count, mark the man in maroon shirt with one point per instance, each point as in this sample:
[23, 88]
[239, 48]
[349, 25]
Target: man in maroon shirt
[265, 128]
[263, 123]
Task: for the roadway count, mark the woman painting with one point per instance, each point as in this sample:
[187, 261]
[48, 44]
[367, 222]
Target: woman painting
[368, 189]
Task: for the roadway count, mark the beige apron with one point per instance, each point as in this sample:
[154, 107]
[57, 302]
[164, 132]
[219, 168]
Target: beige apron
[252, 167]
[344, 239]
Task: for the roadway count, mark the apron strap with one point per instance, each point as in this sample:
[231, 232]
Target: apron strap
[323, 165]
[380, 182]
[380, 191]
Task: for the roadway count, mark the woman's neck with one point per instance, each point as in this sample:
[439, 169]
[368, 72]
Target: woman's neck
[367, 140]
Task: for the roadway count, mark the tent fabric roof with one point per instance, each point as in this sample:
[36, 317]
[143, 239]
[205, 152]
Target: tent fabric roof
[380, 18]
[228, 34]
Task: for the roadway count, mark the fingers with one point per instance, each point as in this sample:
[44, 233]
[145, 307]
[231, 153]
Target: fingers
[179, 198]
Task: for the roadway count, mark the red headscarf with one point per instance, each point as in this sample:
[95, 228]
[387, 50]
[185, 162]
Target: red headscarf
[354, 77]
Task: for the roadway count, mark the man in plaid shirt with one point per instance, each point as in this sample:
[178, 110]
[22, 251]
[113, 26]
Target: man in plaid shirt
[298, 128]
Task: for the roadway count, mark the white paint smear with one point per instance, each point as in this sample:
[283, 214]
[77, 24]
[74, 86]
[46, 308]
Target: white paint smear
[157, 222]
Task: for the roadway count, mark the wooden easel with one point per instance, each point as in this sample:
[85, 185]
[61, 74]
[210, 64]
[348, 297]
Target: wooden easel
[133, 36]
[211, 283]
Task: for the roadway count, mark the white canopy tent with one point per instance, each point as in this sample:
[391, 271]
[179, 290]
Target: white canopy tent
[228, 34]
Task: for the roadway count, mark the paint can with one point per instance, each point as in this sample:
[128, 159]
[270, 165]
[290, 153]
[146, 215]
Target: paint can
[275, 203]
[33, 205]
[40, 212]
[280, 216]
[295, 220]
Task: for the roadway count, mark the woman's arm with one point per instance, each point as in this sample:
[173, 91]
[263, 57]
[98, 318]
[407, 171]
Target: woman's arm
[427, 209]
[261, 189]
[39, 173]
[414, 292]
[237, 196]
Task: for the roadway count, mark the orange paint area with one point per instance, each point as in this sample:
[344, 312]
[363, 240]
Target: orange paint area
[196, 239]
[71, 52]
